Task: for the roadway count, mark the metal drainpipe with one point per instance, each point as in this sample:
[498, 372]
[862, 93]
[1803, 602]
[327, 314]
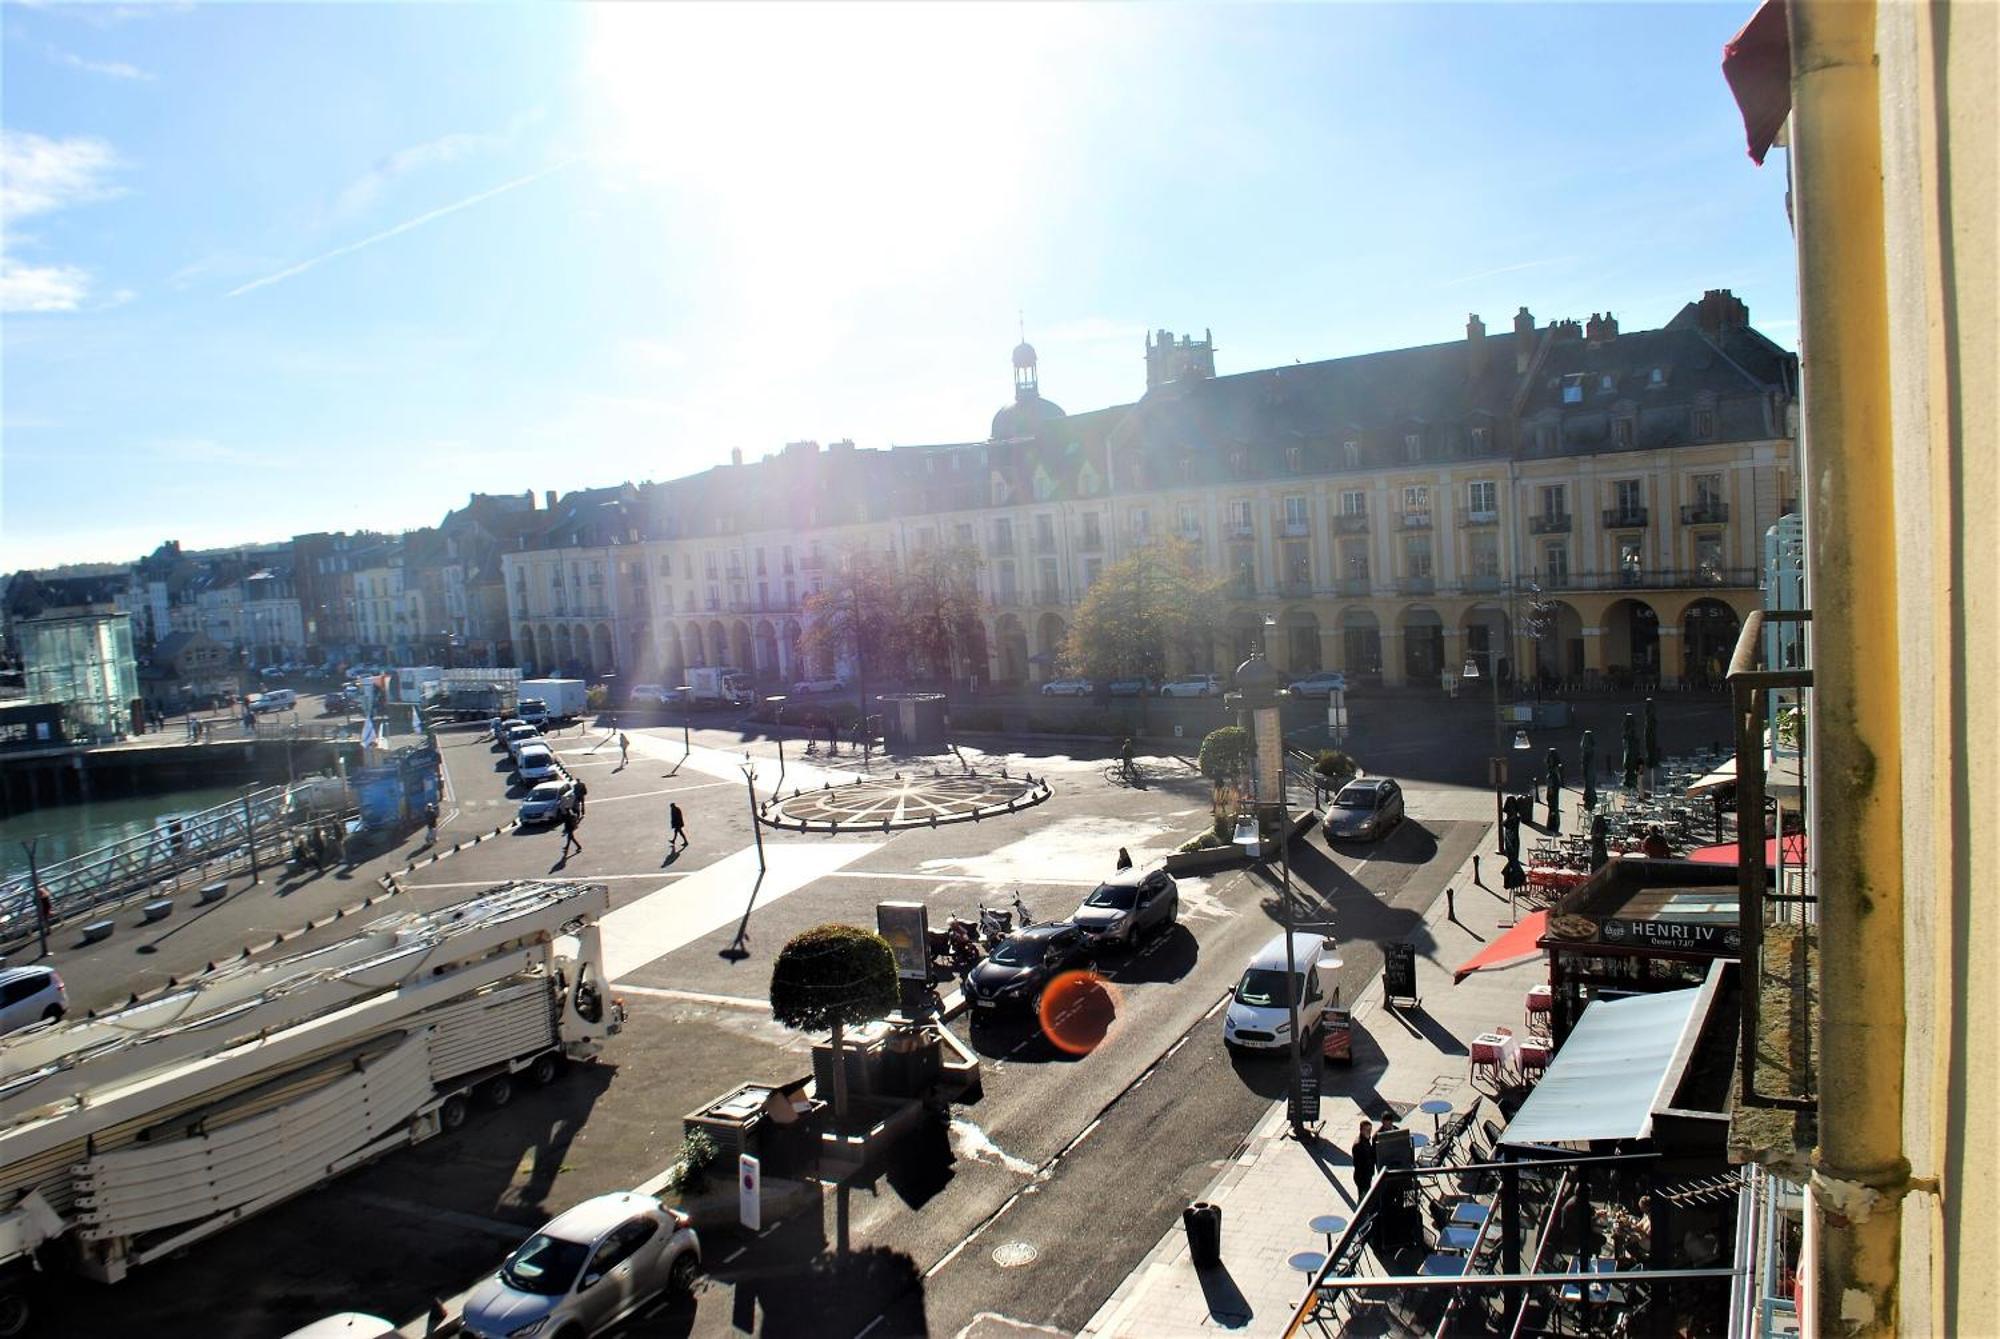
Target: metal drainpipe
[1861, 1173]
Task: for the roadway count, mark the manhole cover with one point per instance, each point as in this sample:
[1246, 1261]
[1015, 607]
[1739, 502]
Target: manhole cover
[1014, 1254]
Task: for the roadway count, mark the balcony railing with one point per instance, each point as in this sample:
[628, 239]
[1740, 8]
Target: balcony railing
[1482, 585]
[1051, 595]
[1006, 599]
[1551, 523]
[1626, 518]
[1297, 589]
[1294, 529]
[1241, 530]
[1045, 543]
[1472, 518]
[1355, 587]
[1726, 578]
[1416, 520]
[1351, 523]
[1705, 513]
[1417, 586]
[1090, 543]
[1001, 547]
[1189, 530]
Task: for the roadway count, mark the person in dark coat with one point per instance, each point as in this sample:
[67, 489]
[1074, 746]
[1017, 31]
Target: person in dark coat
[570, 818]
[1124, 859]
[677, 828]
[582, 793]
[1363, 1154]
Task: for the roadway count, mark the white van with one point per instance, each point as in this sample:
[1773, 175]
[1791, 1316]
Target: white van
[1258, 1016]
[277, 699]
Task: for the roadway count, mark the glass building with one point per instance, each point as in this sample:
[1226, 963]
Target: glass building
[83, 662]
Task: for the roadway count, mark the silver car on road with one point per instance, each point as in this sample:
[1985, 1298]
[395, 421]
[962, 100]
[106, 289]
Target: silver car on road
[585, 1271]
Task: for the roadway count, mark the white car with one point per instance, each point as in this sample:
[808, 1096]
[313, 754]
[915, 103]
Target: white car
[347, 1325]
[810, 687]
[1259, 1016]
[535, 763]
[1325, 683]
[1200, 685]
[653, 694]
[517, 734]
[31, 995]
[1068, 688]
[586, 1270]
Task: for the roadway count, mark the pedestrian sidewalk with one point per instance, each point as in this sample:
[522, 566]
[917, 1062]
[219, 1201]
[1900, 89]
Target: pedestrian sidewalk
[1276, 1186]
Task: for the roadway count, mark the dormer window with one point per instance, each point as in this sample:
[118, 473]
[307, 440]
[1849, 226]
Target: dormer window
[1657, 377]
[1621, 432]
[1350, 454]
[1704, 424]
[1236, 463]
[1607, 383]
[1572, 388]
[1413, 446]
[1480, 436]
[1294, 459]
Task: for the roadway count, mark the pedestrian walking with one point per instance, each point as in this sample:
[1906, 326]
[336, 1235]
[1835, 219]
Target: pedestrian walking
[677, 825]
[431, 824]
[570, 818]
[1451, 906]
[1363, 1155]
[1124, 859]
[582, 793]
[624, 749]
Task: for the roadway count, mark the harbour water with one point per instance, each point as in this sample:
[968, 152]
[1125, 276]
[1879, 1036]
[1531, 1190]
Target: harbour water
[61, 831]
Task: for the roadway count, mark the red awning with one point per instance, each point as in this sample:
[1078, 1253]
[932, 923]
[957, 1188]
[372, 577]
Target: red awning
[1725, 854]
[1757, 62]
[1516, 945]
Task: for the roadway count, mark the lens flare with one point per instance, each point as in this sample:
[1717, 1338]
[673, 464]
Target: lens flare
[1078, 1010]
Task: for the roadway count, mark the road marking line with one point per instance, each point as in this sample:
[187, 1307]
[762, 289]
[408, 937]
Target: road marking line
[656, 875]
[697, 997]
[966, 878]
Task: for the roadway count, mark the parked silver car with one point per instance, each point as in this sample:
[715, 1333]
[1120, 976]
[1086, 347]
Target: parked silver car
[586, 1270]
[1365, 809]
[1128, 906]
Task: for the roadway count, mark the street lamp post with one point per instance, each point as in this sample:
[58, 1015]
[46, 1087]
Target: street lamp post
[777, 728]
[687, 716]
[756, 828]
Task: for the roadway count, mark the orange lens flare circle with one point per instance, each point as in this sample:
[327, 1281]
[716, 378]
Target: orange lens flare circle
[1078, 1010]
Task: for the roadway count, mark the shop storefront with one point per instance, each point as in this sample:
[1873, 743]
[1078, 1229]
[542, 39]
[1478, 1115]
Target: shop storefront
[1638, 927]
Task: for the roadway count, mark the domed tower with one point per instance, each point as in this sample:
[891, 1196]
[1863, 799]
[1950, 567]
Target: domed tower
[1029, 412]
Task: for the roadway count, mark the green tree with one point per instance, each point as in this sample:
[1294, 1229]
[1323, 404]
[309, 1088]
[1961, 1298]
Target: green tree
[938, 610]
[828, 978]
[1153, 601]
[1225, 754]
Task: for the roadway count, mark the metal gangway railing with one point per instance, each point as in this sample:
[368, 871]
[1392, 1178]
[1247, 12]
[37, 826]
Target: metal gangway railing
[180, 851]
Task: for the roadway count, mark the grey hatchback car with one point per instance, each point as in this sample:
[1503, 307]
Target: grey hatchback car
[1365, 809]
[1128, 906]
[585, 1271]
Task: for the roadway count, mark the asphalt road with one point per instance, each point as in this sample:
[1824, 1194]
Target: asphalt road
[426, 1222]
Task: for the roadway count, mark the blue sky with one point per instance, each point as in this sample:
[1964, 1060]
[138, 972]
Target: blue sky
[275, 268]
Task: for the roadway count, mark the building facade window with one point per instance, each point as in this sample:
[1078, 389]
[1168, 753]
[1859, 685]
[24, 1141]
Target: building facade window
[1354, 564]
[1243, 568]
[1709, 560]
[1628, 497]
[1298, 564]
[1482, 555]
[1481, 436]
[1353, 502]
[1704, 424]
[1141, 523]
[1621, 433]
[1045, 533]
[1631, 560]
[1093, 568]
[1350, 454]
[1003, 535]
[1187, 519]
[1707, 491]
[1239, 516]
[1413, 446]
[1417, 501]
[1482, 497]
[1417, 557]
[1296, 515]
[1093, 533]
[1051, 586]
[1555, 564]
[1555, 499]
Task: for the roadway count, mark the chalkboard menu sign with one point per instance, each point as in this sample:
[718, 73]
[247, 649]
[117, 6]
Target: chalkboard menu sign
[1305, 1101]
[1399, 973]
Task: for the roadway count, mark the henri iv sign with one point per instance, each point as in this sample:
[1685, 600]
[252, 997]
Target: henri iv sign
[1688, 936]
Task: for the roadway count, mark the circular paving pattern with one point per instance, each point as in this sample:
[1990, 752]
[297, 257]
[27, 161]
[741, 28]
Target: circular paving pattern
[906, 800]
[1014, 1254]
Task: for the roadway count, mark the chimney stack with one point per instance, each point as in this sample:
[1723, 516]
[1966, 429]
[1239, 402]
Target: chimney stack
[1720, 311]
[736, 455]
[1475, 344]
[1524, 340]
[550, 496]
[1601, 329]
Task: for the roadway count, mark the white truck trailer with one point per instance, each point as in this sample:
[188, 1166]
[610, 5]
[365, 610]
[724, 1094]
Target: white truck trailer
[561, 699]
[131, 1135]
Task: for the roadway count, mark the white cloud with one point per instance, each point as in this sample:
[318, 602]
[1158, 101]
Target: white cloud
[41, 288]
[110, 69]
[40, 175]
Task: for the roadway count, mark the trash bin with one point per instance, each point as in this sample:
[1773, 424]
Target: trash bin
[1204, 1233]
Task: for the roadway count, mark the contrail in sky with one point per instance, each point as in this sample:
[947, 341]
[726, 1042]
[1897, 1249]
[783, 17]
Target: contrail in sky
[387, 233]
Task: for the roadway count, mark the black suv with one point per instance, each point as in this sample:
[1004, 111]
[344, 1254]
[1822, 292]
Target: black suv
[1128, 906]
[1015, 973]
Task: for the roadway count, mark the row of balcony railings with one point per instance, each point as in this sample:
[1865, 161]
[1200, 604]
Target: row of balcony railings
[1776, 907]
